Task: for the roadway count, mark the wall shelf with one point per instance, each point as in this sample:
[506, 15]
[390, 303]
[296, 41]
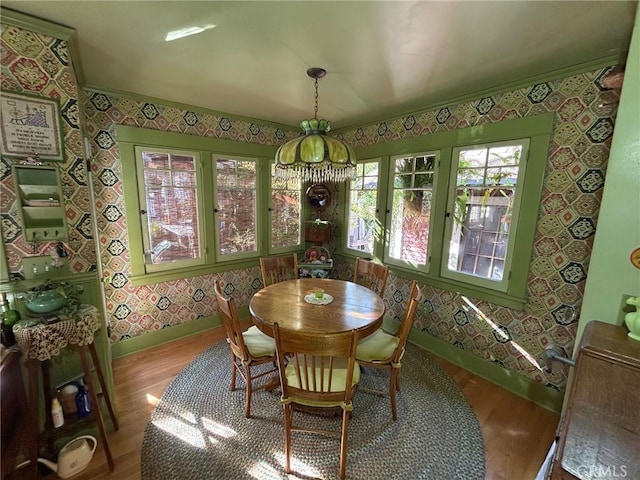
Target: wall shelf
[39, 195]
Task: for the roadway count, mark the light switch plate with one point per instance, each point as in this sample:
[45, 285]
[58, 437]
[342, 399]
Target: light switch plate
[39, 266]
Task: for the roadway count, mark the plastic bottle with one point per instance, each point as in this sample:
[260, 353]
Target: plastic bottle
[56, 413]
[83, 401]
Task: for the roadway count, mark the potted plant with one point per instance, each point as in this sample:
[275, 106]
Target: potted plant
[317, 231]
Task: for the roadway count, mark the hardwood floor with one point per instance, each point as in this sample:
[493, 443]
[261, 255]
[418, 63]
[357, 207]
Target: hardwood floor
[517, 433]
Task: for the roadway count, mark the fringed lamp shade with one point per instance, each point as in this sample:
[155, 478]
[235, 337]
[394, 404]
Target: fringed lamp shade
[316, 157]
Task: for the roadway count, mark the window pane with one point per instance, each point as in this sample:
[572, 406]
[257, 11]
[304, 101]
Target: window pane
[487, 241]
[363, 222]
[411, 209]
[236, 200]
[483, 210]
[285, 211]
[472, 158]
[505, 155]
[184, 179]
[181, 162]
[155, 161]
[171, 208]
[157, 177]
[470, 176]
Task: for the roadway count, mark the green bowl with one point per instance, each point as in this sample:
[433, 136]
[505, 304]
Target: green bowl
[47, 301]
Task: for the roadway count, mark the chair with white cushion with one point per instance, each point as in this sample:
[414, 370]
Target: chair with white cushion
[248, 349]
[383, 350]
[318, 372]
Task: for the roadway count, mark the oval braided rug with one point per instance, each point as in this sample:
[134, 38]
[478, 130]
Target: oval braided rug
[198, 430]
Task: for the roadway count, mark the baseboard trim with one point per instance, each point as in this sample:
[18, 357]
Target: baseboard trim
[547, 398]
[166, 335]
[511, 381]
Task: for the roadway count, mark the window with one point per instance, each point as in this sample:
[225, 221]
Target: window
[236, 209]
[411, 195]
[364, 226]
[485, 191]
[286, 213]
[196, 205]
[458, 207]
[169, 184]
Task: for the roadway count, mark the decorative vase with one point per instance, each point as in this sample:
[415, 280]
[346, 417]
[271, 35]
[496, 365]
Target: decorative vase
[46, 301]
[632, 319]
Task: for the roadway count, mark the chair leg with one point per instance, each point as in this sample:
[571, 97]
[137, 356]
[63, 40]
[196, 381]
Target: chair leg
[247, 402]
[393, 384]
[233, 372]
[343, 444]
[288, 420]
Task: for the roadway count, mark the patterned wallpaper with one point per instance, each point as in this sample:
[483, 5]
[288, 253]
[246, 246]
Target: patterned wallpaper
[136, 310]
[39, 64]
[585, 111]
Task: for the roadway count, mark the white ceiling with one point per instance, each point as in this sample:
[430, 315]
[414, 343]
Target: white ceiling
[383, 58]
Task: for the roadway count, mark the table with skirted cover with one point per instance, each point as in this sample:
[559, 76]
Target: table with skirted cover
[39, 343]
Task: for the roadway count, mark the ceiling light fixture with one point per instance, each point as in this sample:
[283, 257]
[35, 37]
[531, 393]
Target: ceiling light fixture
[185, 32]
[315, 156]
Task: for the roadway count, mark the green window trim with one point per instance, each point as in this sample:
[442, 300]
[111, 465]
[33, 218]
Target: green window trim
[218, 210]
[267, 198]
[392, 173]
[500, 285]
[348, 201]
[538, 130]
[196, 261]
[130, 137]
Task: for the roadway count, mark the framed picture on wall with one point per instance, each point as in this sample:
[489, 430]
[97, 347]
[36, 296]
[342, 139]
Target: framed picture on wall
[31, 125]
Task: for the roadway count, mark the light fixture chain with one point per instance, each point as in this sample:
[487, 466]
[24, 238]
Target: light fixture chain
[315, 111]
[315, 157]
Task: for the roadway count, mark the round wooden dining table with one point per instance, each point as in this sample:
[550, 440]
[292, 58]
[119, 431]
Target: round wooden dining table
[292, 304]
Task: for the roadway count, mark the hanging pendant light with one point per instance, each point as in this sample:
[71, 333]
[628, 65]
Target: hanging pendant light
[315, 156]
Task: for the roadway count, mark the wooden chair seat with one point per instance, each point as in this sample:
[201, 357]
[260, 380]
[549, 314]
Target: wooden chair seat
[258, 344]
[378, 347]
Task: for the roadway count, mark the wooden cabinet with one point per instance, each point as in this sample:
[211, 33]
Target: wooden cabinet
[599, 435]
[40, 202]
[14, 412]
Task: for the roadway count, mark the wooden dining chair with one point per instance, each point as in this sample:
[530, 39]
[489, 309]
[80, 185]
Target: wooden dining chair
[318, 372]
[371, 275]
[278, 269]
[249, 349]
[383, 350]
